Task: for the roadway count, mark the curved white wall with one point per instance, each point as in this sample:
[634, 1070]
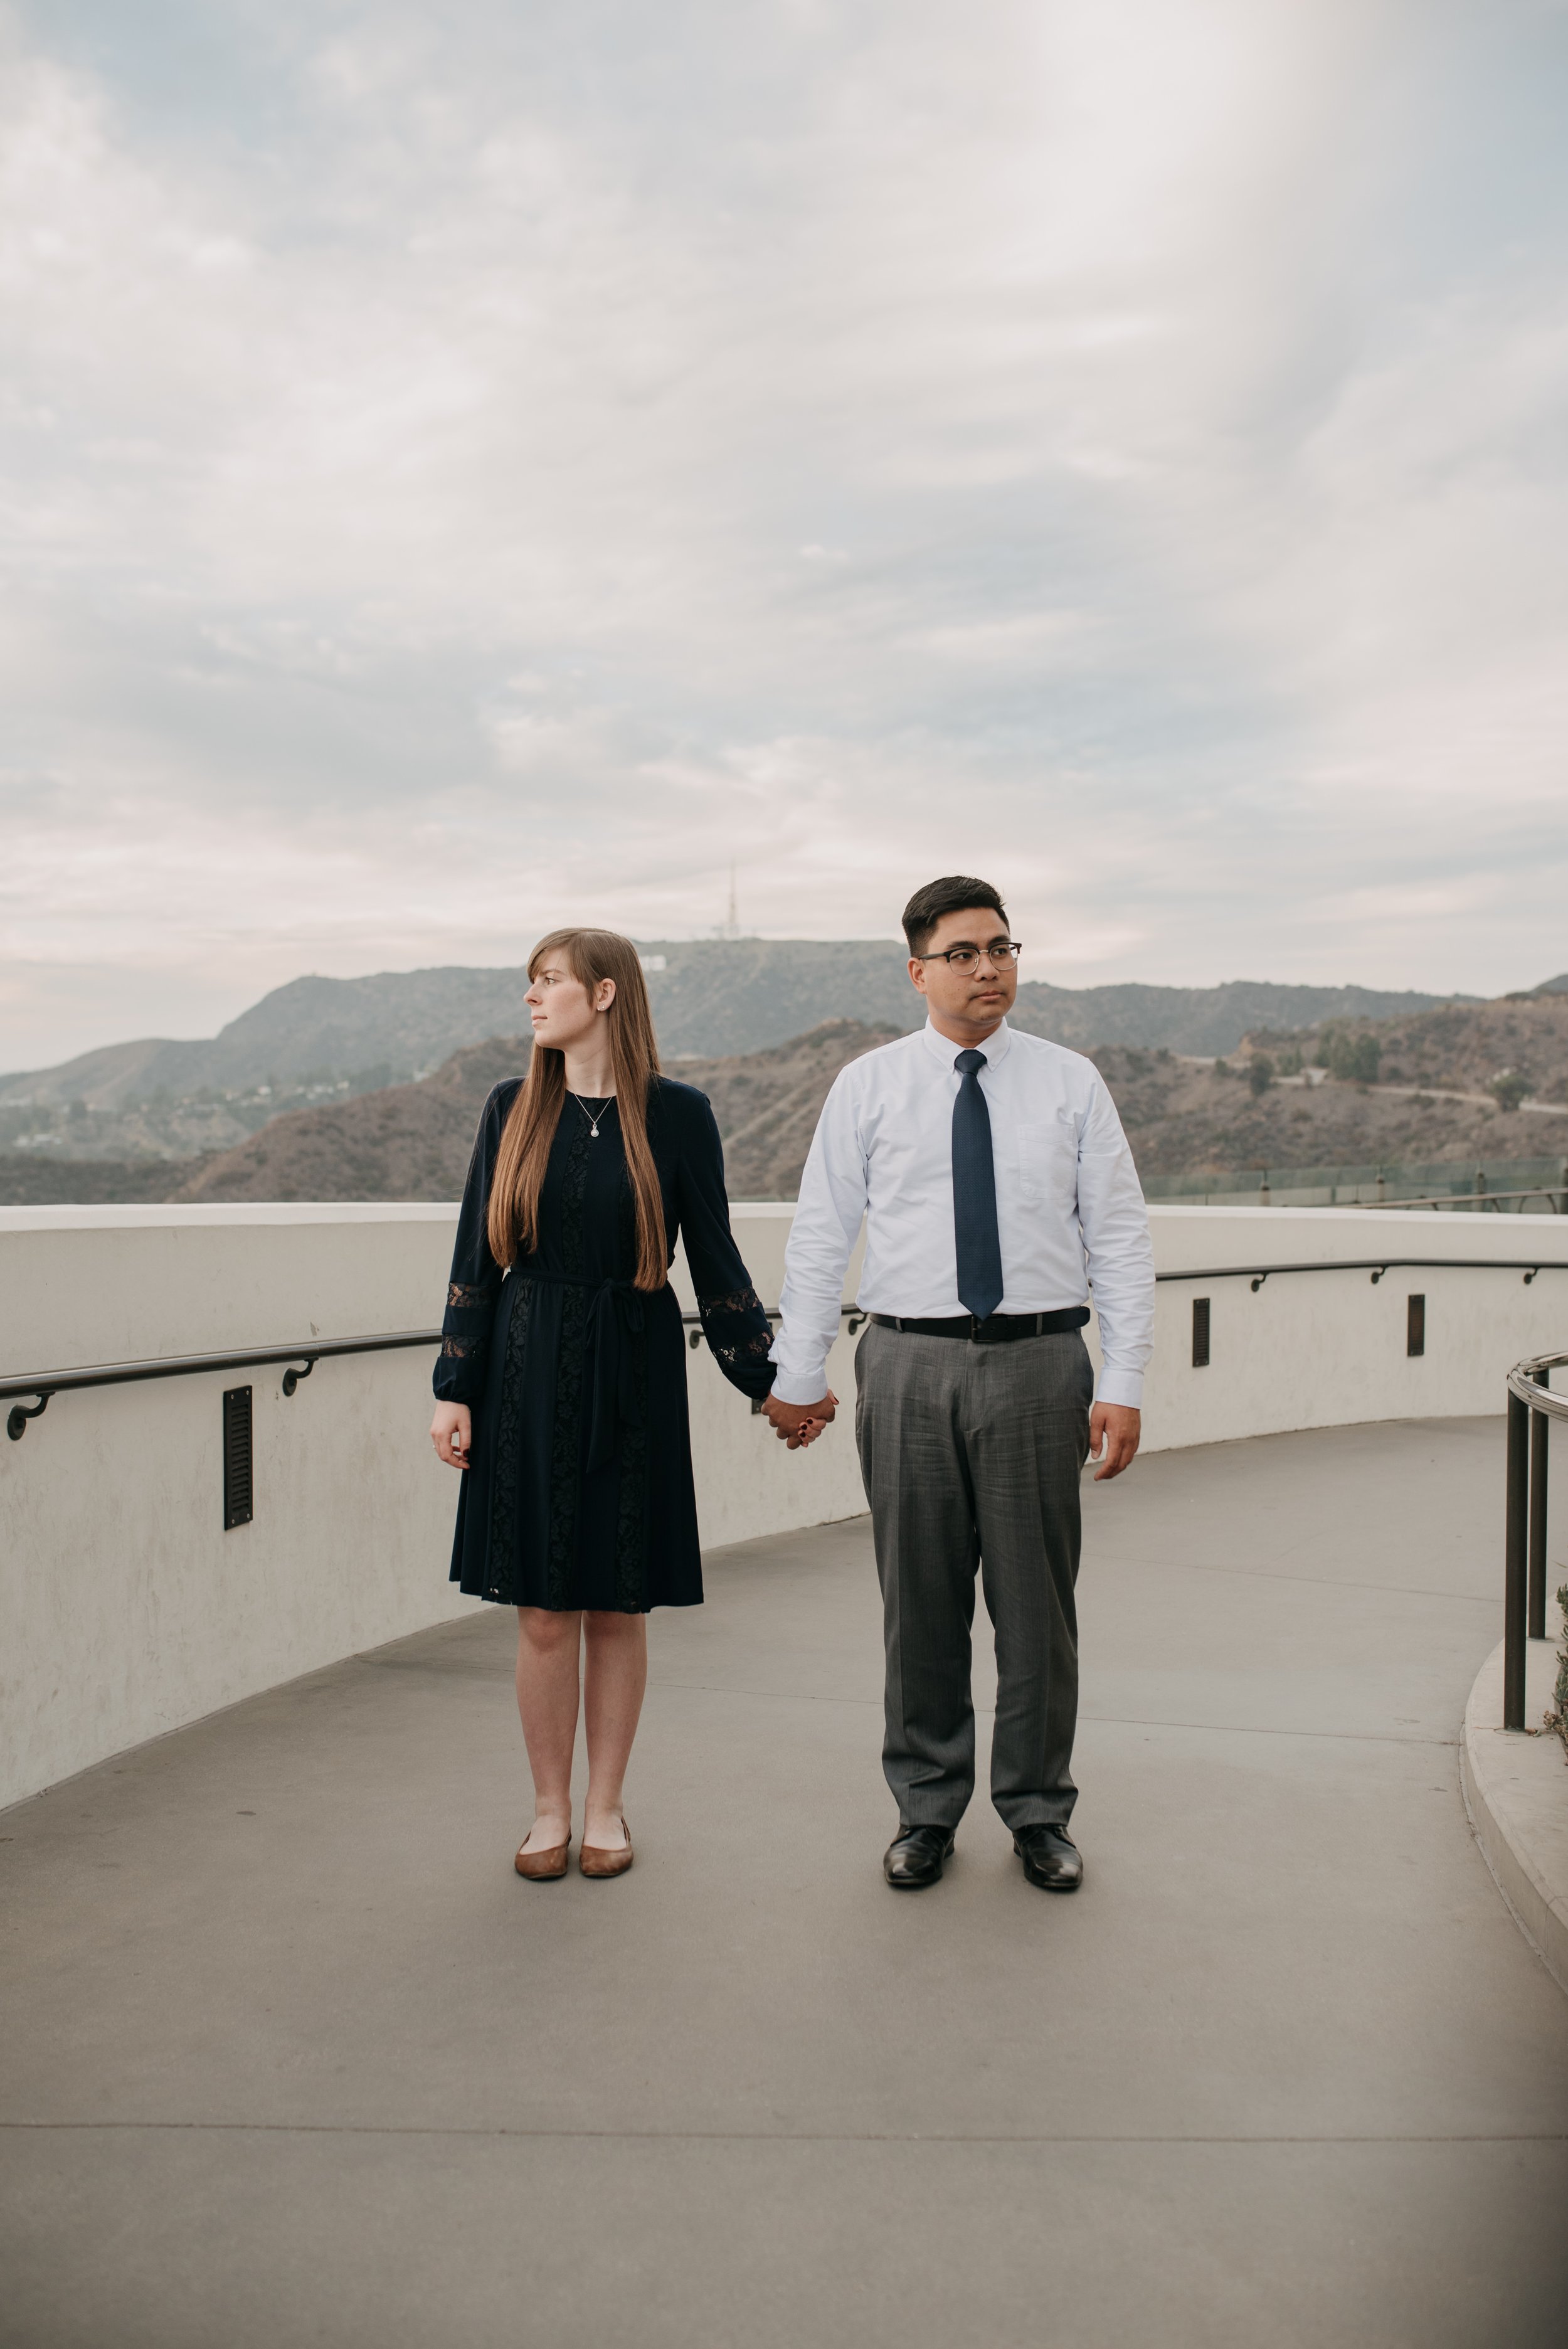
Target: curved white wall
[1326, 1349]
[125, 1609]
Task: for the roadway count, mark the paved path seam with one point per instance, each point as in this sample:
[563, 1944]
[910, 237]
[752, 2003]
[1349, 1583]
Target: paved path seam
[1104, 1719]
[1311, 1581]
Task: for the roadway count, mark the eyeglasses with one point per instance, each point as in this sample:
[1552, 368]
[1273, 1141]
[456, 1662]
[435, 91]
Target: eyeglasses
[1001, 954]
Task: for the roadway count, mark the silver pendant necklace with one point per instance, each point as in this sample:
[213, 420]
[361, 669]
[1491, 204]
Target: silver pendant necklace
[596, 1115]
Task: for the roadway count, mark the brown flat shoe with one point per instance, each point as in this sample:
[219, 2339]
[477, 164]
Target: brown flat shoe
[542, 1867]
[594, 1859]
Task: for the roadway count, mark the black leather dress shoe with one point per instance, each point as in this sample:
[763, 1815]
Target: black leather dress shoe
[1051, 1858]
[915, 1856]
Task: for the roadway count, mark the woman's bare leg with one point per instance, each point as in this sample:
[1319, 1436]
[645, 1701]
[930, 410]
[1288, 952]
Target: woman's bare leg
[547, 1651]
[613, 1679]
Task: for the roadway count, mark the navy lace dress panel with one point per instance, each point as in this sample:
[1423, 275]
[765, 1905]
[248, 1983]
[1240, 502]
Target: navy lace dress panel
[579, 1492]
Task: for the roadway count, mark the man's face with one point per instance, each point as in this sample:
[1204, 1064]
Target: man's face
[978, 998]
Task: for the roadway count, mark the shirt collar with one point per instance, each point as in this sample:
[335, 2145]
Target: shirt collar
[942, 1047]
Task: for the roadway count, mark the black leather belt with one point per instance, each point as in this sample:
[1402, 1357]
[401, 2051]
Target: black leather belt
[1000, 1330]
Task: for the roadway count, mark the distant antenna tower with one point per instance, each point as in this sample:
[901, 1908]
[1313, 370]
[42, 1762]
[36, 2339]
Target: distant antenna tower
[731, 927]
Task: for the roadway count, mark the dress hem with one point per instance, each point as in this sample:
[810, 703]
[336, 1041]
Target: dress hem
[495, 1598]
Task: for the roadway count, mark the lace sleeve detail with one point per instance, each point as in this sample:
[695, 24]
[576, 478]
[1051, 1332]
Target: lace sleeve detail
[740, 1339]
[733, 1321]
[465, 1339]
[475, 1282]
[739, 1301]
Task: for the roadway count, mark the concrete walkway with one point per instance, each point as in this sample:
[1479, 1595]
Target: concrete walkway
[290, 2055]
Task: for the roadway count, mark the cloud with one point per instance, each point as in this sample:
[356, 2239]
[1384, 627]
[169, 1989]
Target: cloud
[458, 474]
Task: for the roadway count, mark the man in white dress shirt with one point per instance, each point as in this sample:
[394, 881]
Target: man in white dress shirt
[997, 1186]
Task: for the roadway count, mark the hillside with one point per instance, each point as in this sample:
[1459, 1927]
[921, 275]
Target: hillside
[405, 1142]
[712, 997]
[396, 1023]
[767, 1103]
[1184, 1116]
[29, 1180]
[412, 1142]
[1467, 1046]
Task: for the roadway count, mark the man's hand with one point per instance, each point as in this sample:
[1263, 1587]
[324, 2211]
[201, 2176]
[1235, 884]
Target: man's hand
[1118, 1427]
[799, 1424]
[452, 1433]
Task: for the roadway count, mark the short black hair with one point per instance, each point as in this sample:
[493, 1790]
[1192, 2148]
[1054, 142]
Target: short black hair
[951, 895]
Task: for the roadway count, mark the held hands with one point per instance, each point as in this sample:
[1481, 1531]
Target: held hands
[1114, 1429]
[799, 1424]
[452, 1433]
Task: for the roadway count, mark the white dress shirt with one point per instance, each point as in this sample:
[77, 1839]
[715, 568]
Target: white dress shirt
[1069, 1207]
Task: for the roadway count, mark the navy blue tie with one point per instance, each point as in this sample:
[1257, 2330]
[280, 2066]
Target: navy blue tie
[975, 1194]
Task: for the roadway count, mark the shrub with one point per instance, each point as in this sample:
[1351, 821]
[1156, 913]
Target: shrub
[1508, 1089]
[1261, 1075]
[1350, 1054]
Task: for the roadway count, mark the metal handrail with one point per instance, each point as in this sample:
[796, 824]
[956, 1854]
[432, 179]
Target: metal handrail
[1532, 1408]
[1552, 1192]
[1539, 1396]
[44, 1384]
[1378, 1266]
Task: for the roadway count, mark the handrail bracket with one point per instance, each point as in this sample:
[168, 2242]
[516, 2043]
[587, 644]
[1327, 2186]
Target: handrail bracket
[18, 1415]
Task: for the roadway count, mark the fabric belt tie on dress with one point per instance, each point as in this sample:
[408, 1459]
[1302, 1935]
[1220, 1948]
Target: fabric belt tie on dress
[996, 1329]
[615, 1316]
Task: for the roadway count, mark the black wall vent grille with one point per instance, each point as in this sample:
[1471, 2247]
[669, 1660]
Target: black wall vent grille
[1200, 1333]
[1415, 1325]
[236, 1457]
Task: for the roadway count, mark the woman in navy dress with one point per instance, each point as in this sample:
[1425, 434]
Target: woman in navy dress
[561, 1387]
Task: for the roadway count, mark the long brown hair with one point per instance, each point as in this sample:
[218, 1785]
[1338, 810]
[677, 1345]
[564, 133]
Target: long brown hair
[513, 1211]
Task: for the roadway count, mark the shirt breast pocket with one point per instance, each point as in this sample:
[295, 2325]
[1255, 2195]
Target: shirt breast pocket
[1048, 1169]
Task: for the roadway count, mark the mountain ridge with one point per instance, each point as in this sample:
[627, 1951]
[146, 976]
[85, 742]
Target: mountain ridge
[712, 997]
[1442, 1099]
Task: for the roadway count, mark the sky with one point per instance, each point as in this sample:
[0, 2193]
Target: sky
[468, 469]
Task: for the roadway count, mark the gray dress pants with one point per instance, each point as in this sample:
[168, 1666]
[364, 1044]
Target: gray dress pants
[971, 1456]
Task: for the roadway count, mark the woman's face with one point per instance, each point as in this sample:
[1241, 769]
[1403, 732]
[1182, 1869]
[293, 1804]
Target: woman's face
[565, 1015]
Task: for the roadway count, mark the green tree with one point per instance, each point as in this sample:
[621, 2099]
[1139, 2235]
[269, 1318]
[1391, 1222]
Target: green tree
[1508, 1089]
[1261, 1074]
[1351, 1054]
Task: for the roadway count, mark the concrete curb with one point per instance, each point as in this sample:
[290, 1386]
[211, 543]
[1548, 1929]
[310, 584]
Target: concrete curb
[1516, 1792]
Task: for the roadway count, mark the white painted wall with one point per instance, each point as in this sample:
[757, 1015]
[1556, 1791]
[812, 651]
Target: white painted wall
[125, 1609]
[1327, 1348]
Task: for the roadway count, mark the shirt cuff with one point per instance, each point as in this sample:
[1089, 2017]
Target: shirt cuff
[791, 1386]
[1125, 1387]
